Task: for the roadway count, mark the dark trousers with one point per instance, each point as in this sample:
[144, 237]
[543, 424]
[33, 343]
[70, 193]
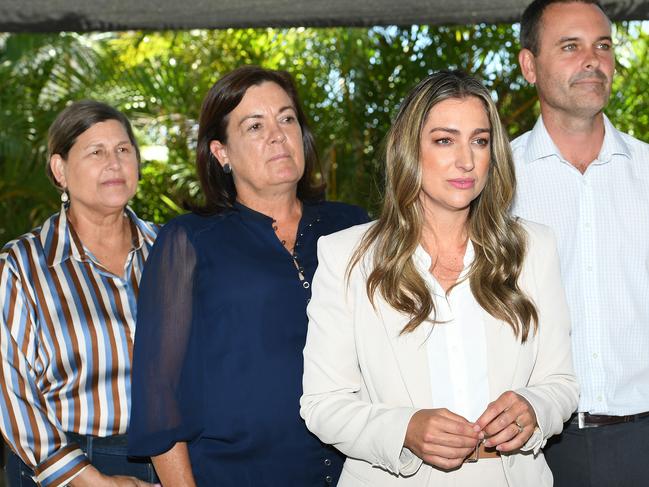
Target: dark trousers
[607, 456]
[108, 455]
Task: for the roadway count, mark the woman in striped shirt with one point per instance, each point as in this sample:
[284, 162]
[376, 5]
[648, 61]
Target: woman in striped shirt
[67, 312]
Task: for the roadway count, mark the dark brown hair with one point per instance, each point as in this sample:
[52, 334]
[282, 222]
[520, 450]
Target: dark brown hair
[219, 192]
[531, 21]
[75, 120]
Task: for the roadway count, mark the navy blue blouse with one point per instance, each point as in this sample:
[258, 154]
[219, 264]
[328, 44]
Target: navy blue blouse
[221, 325]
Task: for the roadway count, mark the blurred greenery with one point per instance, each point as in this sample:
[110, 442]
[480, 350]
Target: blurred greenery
[351, 81]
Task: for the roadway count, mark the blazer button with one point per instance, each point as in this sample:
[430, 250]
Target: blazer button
[327, 462]
[329, 479]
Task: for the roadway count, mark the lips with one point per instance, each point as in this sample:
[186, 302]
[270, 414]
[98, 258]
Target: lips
[113, 182]
[284, 155]
[462, 183]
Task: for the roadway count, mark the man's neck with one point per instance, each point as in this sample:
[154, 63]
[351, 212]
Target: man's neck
[579, 139]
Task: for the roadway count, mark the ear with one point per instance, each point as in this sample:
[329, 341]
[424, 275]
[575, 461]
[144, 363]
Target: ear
[219, 151]
[57, 165]
[527, 62]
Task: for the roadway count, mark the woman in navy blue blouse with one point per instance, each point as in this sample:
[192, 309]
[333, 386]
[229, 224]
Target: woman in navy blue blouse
[221, 316]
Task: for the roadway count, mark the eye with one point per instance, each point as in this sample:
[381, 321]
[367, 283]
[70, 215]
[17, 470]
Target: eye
[569, 47]
[443, 141]
[288, 119]
[96, 152]
[124, 149]
[255, 127]
[482, 141]
[604, 46]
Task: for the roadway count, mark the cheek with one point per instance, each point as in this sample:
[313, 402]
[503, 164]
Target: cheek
[134, 170]
[608, 66]
[483, 163]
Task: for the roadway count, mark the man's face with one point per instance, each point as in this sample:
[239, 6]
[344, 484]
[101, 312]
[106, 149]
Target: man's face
[574, 65]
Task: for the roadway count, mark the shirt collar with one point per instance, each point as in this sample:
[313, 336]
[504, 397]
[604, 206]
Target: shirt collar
[61, 242]
[540, 145]
[614, 144]
[423, 263]
[310, 213]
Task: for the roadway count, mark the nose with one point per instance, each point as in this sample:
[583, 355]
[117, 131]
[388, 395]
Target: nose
[113, 160]
[591, 59]
[277, 134]
[464, 157]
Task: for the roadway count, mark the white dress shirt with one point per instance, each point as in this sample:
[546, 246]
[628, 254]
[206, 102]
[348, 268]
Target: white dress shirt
[601, 219]
[456, 345]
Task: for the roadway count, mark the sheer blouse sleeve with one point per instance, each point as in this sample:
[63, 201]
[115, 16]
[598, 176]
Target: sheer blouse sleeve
[166, 397]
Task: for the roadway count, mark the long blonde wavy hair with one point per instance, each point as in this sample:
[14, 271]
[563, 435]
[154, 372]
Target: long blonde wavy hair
[498, 239]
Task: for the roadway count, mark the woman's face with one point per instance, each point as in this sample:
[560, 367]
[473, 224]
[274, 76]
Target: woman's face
[455, 152]
[264, 145]
[101, 170]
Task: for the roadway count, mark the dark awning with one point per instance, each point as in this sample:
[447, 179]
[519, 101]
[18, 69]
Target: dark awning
[107, 15]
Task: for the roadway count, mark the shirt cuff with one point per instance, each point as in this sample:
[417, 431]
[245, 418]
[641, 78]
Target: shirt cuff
[60, 468]
[538, 439]
[409, 463]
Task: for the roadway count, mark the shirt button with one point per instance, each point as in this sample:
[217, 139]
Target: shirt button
[589, 268]
[329, 479]
[327, 462]
[595, 355]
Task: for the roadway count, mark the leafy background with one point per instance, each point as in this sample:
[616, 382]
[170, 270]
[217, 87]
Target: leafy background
[351, 82]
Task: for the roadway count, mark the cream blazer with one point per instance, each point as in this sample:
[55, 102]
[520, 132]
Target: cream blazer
[363, 381]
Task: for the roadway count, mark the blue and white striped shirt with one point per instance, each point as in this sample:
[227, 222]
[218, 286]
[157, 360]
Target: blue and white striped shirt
[601, 219]
[66, 339]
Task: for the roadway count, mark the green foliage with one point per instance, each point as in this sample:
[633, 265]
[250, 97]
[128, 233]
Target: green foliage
[351, 82]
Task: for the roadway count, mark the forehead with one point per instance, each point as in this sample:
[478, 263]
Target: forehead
[573, 20]
[456, 111]
[263, 96]
[100, 132]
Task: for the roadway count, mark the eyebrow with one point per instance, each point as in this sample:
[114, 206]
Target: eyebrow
[457, 132]
[256, 116]
[573, 39]
[102, 144]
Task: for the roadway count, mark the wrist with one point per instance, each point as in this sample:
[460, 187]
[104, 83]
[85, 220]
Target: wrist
[88, 477]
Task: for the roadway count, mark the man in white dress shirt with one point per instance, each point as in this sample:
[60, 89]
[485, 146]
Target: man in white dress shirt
[590, 183]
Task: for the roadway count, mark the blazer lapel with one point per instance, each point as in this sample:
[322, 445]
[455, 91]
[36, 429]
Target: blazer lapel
[503, 352]
[411, 355]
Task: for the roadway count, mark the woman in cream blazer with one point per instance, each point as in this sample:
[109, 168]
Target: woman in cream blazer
[381, 390]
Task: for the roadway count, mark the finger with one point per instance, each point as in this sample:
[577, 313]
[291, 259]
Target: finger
[519, 411]
[524, 422]
[494, 409]
[517, 442]
[459, 428]
[440, 423]
[472, 427]
[500, 423]
[140, 483]
[503, 436]
[443, 463]
[449, 452]
[447, 441]
[453, 416]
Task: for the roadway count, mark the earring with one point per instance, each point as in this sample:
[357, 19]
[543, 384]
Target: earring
[64, 196]
[227, 168]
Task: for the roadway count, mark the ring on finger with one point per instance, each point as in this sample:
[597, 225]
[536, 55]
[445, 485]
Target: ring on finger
[520, 427]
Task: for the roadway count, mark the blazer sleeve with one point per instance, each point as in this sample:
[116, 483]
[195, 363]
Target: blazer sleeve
[331, 404]
[552, 389]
